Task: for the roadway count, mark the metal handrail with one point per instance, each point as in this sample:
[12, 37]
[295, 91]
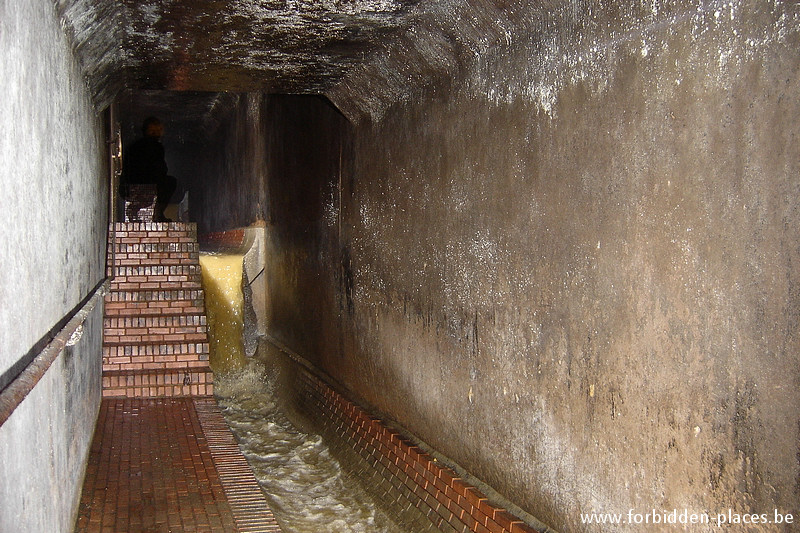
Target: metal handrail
[19, 388]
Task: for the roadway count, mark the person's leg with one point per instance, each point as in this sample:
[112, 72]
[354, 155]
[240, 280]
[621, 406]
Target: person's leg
[166, 188]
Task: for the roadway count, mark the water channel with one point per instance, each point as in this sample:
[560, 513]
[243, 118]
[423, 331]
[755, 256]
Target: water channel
[306, 487]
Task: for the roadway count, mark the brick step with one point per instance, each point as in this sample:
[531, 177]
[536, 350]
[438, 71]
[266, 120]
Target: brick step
[156, 270]
[151, 245]
[159, 321]
[165, 236]
[135, 245]
[155, 238]
[144, 283]
[128, 277]
[157, 258]
[149, 237]
[193, 295]
[112, 327]
[155, 362]
[166, 366]
[165, 228]
[134, 308]
[122, 337]
[128, 259]
[158, 383]
[127, 311]
[199, 349]
[156, 281]
[144, 356]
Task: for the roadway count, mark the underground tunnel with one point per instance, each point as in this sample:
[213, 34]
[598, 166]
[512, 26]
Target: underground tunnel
[546, 253]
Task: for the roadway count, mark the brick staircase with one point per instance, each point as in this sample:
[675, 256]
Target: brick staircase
[155, 339]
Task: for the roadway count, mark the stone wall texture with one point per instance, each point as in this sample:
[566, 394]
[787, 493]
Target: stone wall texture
[52, 250]
[577, 274]
[572, 266]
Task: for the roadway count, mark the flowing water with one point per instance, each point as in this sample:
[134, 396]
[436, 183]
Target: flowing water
[305, 485]
[222, 285]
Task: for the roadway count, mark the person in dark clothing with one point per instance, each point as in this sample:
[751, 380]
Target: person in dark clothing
[144, 163]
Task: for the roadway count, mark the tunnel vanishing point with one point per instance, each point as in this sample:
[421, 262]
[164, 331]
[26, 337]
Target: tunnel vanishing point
[556, 241]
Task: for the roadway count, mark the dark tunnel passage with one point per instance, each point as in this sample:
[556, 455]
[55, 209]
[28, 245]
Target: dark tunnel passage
[555, 242]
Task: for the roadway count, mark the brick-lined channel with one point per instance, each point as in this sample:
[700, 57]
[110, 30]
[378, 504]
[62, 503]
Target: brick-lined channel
[349, 472]
[387, 484]
[305, 485]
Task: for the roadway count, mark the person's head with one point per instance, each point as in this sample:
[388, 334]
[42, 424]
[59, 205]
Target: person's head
[152, 127]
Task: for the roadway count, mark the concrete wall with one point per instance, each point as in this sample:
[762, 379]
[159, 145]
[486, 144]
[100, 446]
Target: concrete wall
[275, 161]
[52, 246]
[302, 253]
[226, 173]
[571, 267]
[575, 272]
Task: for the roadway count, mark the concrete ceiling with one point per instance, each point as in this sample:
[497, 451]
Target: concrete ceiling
[285, 46]
[288, 46]
[363, 54]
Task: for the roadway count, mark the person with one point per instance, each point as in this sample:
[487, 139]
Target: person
[144, 163]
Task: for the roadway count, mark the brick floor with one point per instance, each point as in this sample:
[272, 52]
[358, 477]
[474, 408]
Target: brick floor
[168, 465]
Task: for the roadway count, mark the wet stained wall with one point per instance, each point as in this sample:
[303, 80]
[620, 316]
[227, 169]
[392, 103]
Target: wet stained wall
[289, 183]
[52, 254]
[571, 268]
[229, 167]
[576, 271]
[306, 146]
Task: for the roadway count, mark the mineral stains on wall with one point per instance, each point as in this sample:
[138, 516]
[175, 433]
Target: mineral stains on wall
[575, 273]
[562, 251]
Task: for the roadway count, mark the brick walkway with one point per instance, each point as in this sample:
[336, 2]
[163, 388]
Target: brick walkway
[168, 465]
[162, 459]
